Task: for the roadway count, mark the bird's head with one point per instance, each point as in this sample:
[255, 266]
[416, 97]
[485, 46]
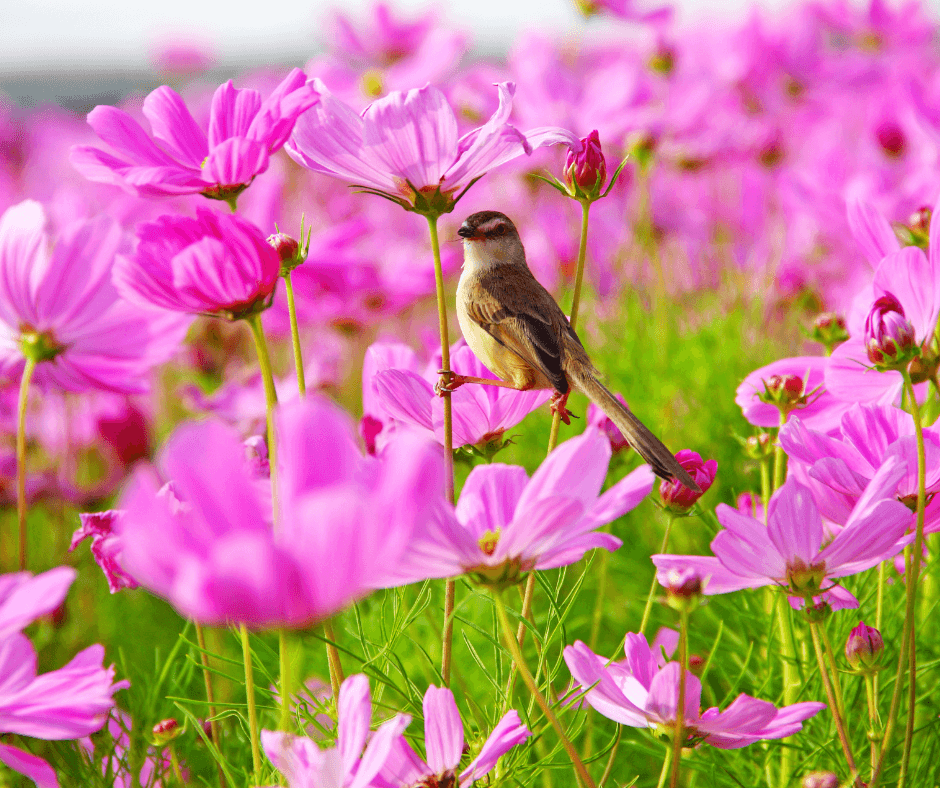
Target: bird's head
[490, 237]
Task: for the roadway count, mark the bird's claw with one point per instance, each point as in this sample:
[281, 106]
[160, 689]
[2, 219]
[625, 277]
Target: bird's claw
[448, 382]
[558, 404]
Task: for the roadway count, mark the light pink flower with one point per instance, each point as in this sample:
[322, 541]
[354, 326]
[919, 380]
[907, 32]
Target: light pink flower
[346, 765]
[181, 158]
[25, 597]
[507, 524]
[641, 693]
[215, 263]
[444, 743]
[405, 146]
[62, 308]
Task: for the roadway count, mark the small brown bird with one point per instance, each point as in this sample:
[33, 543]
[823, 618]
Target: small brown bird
[519, 332]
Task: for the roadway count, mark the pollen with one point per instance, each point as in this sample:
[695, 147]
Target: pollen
[488, 541]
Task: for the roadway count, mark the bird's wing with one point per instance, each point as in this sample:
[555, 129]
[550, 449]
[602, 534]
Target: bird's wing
[512, 307]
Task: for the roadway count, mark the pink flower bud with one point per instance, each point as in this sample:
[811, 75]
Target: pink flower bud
[829, 330]
[678, 498]
[165, 731]
[891, 139]
[586, 171]
[758, 447]
[889, 335]
[820, 780]
[864, 646]
[285, 246]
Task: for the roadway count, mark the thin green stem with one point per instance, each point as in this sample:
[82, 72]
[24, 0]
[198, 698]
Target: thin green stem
[450, 586]
[295, 335]
[911, 703]
[780, 459]
[332, 655]
[667, 762]
[610, 759]
[285, 689]
[678, 734]
[874, 722]
[210, 697]
[912, 572]
[765, 488]
[270, 398]
[834, 672]
[28, 370]
[670, 519]
[833, 703]
[252, 711]
[790, 680]
[510, 639]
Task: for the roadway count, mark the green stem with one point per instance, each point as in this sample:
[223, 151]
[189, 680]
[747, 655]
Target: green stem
[332, 655]
[509, 637]
[667, 762]
[765, 488]
[28, 370]
[874, 723]
[834, 672]
[610, 760]
[670, 519]
[780, 459]
[833, 703]
[286, 688]
[252, 712]
[912, 572]
[295, 335]
[678, 734]
[450, 586]
[210, 697]
[790, 680]
[270, 398]
[911, 703]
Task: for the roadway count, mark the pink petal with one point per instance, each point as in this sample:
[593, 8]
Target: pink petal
[663, 701]
[355, 716]
[279, 111]
[794, 524]
[234, 162]
[915, 280]
[23, 261]
[125, 135]
[851, 377]
[405, 396]
[489, 497]
[443, 730]
[232, 112]
[604, 694]
[509, 732]
[32, 597]
[380, 748]
[872, 231]
[721, 580]
[172, 124]
[577, 468]
[34, 767]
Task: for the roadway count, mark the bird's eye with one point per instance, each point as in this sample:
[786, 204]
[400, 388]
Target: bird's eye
[500, 229]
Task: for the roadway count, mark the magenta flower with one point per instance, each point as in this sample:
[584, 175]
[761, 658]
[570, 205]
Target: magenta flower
[585, 169]
[25, 597]
[481, 414]
[105, 547]
[61, 308]
[444, 742]
[889, 335]
[210, 548]
[507, 524]
[678, 498]
[405, 146]
[912, 279]
[181, 158]
[838, 468]
[642, 692]
[345, 766]
[811, 401]
[214, 264]
[864, 646]
[788, 552]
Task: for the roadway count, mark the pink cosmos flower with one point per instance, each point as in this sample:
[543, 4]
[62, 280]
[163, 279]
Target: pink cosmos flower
[507, 524]
[821, 410]
[481, 414]
[214, 264]
[838, 468]
[105, 547]
[62, 309]
[788, 552]
[444, 742]
[405, 146]
[912, 279]
[180, 158]
[642, 692]
[343, 519]
[25, 597]
[346, 765]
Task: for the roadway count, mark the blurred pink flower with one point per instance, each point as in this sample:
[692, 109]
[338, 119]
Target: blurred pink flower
[507, 524]
[62, 308]
[105, 547]
[179, 158]
[788, 552]
[641, 693]
[405, 146]
[25, 597]
[346, 765]
[214, 264]
[444, 743]
[342, 519]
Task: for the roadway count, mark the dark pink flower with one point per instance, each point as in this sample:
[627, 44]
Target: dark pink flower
[864, 646]
[62, 309]
[214, 263]
[889, 335]
[642, 692]
[181, 158]
[586, 169]
[678, 498]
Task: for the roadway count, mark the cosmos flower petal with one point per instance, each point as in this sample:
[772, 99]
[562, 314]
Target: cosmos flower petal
[914, 279]
[32, 766]
[443, 730]
[509, 732]
[172, 124]
[872, 231]
[793, 523]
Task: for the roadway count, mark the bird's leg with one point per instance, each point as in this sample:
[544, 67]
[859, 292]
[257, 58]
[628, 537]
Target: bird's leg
[451, 381]
[558, 404]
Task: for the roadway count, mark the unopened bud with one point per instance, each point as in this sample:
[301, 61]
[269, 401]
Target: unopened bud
[864, 647]
[678, 498]
[891, 138]
[683, 587]
[784, 391]
[165, 731]
[759, 447]
[820, 780]
[829, 329]
[288, 249]
[889, 335]
[586, 171]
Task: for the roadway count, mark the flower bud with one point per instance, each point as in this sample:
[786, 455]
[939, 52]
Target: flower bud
[889, 335]
[829, 330]
[820, 780]
[289, 250]
[891, 139]
[683, 587]
[864, 647]
[586, 171]
[678, 498]
[759, 447]
[165, 731]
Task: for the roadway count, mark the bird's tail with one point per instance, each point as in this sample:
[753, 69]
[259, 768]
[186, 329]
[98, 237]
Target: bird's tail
[647, 445]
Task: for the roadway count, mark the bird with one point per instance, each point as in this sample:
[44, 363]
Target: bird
[517, 330]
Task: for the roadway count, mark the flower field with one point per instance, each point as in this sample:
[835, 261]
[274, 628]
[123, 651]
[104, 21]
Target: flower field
[335, 406]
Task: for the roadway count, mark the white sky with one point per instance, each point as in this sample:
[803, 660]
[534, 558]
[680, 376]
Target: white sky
[61, 35]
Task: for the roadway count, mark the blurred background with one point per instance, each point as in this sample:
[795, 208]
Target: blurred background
[82, 54]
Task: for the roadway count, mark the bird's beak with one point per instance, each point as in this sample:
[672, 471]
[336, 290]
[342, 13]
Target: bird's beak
[467, 232]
